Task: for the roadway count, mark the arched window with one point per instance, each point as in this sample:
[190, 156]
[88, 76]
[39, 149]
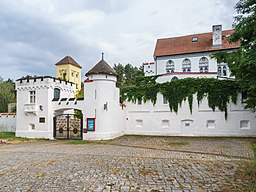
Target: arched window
[170, 66]
[186, 65]
[56, 94]
[203, 65]
[224, 70]
[219, 71]
[174, 78]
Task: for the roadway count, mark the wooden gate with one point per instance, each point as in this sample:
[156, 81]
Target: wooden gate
[68, 126]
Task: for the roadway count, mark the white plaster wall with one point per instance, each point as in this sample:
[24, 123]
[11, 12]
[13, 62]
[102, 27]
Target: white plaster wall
[109, 123]
[44, 95]
[194, 58]
[7, 122]
[152, 118]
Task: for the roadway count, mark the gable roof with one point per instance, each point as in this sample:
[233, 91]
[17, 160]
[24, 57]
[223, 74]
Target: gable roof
[102, 67]
[68, 60]
[184, 44]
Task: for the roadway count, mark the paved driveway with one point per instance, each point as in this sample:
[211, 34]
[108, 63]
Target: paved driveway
[129, 163]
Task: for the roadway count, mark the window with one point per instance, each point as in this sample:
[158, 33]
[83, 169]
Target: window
[170, 66]
[72, 74]
[165, 101]
[31, 126]
[139, 102]
[174, 78]
[165, 124]
[186, 65]
[32, 96]
[222, 70]
[56, 94]
[41, 119]
[139, 123]
[210, 124]
[77, 75]
[203, 65]
[244, 96]
[245, 124]
[194, 39]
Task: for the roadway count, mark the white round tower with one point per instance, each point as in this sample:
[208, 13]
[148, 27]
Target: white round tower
[104, 117]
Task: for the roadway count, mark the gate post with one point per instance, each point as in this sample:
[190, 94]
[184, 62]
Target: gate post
[81, 126]
[68, 126]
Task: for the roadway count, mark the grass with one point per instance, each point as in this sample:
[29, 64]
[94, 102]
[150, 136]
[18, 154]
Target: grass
[9, 137]
[178, 143]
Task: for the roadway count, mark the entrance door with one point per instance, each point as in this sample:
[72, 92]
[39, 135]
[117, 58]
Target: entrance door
[68, 126]
[187, 127]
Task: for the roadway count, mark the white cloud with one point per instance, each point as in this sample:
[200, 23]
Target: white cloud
[38, 33]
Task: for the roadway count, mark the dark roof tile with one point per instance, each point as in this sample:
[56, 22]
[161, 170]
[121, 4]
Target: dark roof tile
[68, 60]
[102, 67]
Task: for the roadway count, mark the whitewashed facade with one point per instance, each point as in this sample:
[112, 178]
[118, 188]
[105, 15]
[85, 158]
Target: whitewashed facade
[40, 99]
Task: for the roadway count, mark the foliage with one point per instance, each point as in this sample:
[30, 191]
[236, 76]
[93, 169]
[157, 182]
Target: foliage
[6, 135]
[218, 92]
[242, 63]
[7, 94]
[126, 74]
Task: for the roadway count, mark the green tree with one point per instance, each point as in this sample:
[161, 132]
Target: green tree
[242, 63]
[7, 94]
[127, 74]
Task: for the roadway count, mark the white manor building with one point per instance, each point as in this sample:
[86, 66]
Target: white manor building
[45, 105]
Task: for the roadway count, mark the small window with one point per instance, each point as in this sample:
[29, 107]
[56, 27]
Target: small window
[32, 126]
[194, 39]
[41, 119]
[139, 123]
[56, 94]
[32, 96]
[77, 75]
[72, 74]
[165, 124]
[244, 96]
[203, 65]
[165, 100]
[210, 124]
[245, 124]
[139, 102]
[224, 71]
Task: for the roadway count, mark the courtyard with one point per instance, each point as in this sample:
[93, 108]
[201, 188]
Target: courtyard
[128, 163]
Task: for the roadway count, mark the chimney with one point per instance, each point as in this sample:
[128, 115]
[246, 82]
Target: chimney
[216, 35]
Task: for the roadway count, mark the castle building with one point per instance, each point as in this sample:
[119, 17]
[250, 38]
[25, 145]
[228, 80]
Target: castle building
[190, 56]
[68, 69]
[45, 105]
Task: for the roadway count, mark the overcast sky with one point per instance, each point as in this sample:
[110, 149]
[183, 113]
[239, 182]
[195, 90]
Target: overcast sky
[36, 34]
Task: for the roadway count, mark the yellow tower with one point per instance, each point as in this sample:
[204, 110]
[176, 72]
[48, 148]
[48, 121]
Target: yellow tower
[68, 69]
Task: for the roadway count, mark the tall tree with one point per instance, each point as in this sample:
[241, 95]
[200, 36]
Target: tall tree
[242, 63]
[126, 74]
[7, 94]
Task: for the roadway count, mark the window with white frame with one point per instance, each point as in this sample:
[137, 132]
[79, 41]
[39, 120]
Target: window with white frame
[186, 65]
[203, 65]
[170, 66]
[56, 93]
[32, 96]
[222, 70]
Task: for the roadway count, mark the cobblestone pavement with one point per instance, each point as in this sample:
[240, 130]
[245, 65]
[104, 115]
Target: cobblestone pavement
[129, 163]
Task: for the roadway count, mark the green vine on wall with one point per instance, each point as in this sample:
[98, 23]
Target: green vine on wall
[218, 92]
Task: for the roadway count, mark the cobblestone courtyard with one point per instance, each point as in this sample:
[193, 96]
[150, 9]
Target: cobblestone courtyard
[129, 163]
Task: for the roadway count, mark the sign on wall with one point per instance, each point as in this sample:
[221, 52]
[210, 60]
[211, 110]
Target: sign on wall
[90, 124]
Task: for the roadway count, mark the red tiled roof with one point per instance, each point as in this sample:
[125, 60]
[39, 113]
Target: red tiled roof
[184, 44]
[68, 60]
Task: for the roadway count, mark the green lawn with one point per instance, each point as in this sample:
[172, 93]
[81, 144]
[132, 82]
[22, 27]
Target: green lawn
[7, 135]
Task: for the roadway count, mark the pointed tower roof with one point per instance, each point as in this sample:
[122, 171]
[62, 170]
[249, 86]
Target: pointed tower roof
[68, 60]
[102, 67]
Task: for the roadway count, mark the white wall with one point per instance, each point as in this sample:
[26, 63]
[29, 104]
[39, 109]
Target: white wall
[109, 122]
[7, 122]
[147, 119]
[28, 114]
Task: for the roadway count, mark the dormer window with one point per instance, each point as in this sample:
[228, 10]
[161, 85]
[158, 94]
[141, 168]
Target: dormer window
[194, 39]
